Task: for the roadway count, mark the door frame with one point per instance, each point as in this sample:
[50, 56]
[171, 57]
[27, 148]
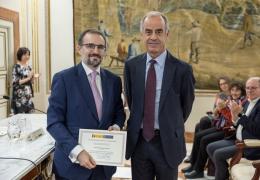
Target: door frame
[13, 18]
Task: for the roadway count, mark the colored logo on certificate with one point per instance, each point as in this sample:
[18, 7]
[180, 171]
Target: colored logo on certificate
[102, 136]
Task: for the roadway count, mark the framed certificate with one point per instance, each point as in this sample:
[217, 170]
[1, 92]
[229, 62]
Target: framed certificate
[106, 147]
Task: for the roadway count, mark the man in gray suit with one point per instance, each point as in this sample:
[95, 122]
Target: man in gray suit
[160, 93]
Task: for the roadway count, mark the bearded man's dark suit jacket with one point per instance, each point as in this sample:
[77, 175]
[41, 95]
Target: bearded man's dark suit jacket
[176, 99]
[72, 106]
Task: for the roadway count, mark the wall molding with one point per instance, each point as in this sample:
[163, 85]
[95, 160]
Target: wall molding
[48, 46]
[35, 42]
[12, 16]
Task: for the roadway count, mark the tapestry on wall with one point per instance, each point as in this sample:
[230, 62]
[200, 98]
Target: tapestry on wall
[217, 37]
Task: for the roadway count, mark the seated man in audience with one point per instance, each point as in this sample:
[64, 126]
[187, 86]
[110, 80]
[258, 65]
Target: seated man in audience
[247, 127]
[221, 119]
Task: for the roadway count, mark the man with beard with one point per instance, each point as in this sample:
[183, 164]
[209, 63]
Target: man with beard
[84, 96]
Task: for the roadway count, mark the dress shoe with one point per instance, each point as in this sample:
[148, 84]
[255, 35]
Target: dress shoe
[187, 169]
[194, 175]
[187, 159]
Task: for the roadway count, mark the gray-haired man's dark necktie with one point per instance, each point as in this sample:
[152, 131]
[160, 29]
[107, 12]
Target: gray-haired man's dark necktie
[149, 103]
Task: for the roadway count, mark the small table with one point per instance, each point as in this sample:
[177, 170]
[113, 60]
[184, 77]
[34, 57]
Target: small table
[37, 151]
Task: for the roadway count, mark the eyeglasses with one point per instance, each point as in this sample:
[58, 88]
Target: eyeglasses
[92, 46]
[251, 88]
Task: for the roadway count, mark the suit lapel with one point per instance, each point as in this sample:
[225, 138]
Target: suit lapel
[140, 79]
[168, 75]
[85, 89]
[252, 113]
[245, 106]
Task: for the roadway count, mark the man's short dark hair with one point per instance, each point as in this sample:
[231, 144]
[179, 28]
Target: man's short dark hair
[22, 51]
[90, 31]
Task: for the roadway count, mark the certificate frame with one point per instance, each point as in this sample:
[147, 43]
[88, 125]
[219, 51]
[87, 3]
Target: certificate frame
[106, 147]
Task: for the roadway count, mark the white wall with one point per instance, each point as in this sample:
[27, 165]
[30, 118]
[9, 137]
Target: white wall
[61, 35]
[61, 44]
[41, 98]
[11, 4]
[202, 104]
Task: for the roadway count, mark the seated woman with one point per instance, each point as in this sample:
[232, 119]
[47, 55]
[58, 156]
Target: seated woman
[222, 118]
[205, 121]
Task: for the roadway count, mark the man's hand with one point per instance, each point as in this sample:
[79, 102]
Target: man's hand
[114, 128]
[235, 110]
[86, 160]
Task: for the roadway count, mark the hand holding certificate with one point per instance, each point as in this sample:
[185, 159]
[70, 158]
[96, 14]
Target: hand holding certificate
[106, 147]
